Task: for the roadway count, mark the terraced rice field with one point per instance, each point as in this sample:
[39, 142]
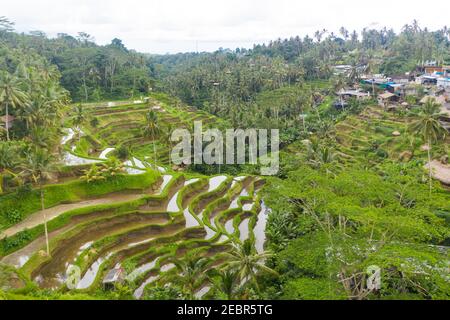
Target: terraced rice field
[141, 232]
[181, 215]
[122, 125]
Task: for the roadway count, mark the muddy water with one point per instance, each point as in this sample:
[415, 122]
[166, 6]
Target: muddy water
[260, 228]
[243, 229]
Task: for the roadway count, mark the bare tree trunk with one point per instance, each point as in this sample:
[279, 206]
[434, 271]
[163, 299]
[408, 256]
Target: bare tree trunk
[45, 216]
[429, 166]
[7, 122]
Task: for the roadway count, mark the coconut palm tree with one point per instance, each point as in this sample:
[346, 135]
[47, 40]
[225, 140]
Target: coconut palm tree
[429, 128]
[79, 118]
[226, 283]
[11, 95]
[151, 129]
[8, 161]
[191, 273]
[38, 166]
[244, 258]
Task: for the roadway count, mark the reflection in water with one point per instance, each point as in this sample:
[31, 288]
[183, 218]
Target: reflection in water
[215, 182]
[229, 226]
[173, 205]
[105, 153]
[200, 293]
[190, 219]
[91, 274]
[243, 229]
[140, 270]
[139, 291]
[260, 228]
[166, 180]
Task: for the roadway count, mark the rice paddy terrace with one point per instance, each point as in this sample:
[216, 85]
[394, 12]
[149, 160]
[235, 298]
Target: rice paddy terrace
[141, 226]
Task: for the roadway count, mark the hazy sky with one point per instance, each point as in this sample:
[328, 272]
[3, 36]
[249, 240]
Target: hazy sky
[182, 25]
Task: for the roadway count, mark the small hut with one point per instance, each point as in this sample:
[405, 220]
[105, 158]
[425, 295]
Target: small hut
[116, 275]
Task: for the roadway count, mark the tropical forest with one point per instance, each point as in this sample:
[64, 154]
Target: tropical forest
[92, 207]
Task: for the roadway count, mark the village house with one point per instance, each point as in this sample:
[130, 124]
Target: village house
[387, 98]
[357, 94]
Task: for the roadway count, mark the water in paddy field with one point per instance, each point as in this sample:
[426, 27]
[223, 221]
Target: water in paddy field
[166, 180]
[91, 273]
[138, 163]
[167, 267]
[229, 226]
[209, 232]
[70, 159]
[22, 261]
[142, 269]
[186, 183]
[173, 205]
[69, 136]
[139, 291]
[190, 219]
[215, 182]
[243, 229]
[200, 293]
[134, 244]
[105, 153]
[260, 228]
[247, 206]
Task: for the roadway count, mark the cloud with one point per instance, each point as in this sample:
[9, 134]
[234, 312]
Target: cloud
[178, 25]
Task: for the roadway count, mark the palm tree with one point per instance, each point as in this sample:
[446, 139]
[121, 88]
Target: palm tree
[151, 129]
[429, 128]
[8, 160]
[191, 272]
[225, 283]
[38, 166]
[244, 258]
[11, 95]
[79, 118]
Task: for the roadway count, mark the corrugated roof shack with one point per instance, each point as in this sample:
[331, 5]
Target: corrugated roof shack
[386, 99]
[114, 276]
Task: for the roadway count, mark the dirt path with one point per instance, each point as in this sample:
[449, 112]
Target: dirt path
[37, 218]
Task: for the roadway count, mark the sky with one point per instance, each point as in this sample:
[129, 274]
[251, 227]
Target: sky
[170, 26]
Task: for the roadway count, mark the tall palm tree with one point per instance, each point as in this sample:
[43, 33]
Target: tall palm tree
[226, 283]
[245, 259]
[191, 273]
[429, 128]
[151, 129]
[79, 118]
[8, 160]
[11, 95]
[38, 166]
